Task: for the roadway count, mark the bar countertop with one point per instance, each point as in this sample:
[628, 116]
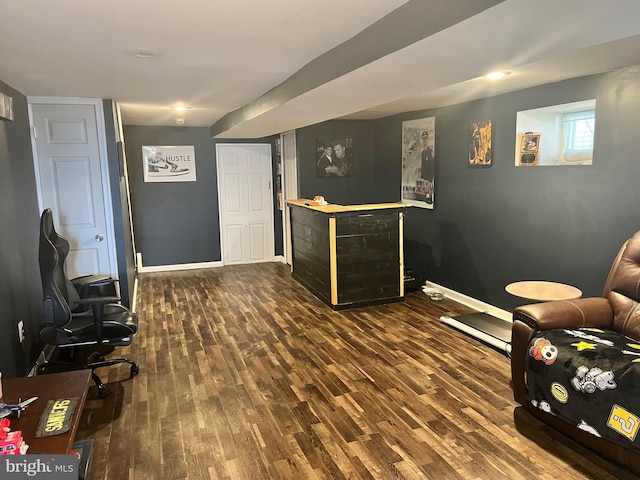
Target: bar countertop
[333, 208]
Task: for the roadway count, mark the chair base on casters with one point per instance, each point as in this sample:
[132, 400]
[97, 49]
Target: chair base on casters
[93, 361]
[97, 361]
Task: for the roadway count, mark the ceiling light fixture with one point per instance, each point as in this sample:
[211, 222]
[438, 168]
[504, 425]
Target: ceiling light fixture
[497, 75]
[180, 108]
[142, 53]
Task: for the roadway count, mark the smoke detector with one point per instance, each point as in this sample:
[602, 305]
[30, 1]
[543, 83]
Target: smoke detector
[180, 121]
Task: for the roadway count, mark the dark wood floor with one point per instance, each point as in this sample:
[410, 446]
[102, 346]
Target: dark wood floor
[246, 375]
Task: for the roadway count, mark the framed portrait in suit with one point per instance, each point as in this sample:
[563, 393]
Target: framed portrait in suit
[419, 162]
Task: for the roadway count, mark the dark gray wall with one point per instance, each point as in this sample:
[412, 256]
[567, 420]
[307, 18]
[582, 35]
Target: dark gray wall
[121, 218]
[341, 190]
[20, 290]
[492, 226]
[177, 223]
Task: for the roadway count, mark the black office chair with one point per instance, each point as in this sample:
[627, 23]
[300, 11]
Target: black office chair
[79, 287]
[105, 324]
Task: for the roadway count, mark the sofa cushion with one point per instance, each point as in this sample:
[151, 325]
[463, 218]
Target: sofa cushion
[590, 378]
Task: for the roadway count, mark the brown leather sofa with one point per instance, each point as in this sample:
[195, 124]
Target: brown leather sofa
[618, 309]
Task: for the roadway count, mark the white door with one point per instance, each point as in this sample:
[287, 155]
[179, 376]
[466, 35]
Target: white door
[69, 170]
[246, 203]
[290, 182]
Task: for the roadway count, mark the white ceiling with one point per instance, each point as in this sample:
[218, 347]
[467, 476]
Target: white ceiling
[216, 57]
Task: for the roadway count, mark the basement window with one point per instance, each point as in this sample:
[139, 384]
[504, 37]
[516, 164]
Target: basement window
[565, 134]
[578, 129]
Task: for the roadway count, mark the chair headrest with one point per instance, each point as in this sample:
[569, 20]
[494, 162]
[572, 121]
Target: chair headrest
[623, 288]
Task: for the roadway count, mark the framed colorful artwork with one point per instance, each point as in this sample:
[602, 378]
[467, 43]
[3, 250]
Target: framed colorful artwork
[480, 152]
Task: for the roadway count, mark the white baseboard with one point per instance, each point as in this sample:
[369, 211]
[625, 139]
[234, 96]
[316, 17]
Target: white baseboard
[180, 266]
[472, 302]
[187, 266]
[134, 300]
[172, 268]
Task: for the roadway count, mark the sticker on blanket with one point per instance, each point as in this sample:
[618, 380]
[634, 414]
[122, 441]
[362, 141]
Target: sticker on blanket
[629, 352]
[588, 428]
[543, 350]
[586, 336]
[542, 405]
[582, 345]
[588, 380]
[559, 392]
[636, 354]
[624, 422]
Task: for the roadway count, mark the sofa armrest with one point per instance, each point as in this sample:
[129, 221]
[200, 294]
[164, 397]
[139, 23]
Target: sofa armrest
[530, 319]
[582, 312]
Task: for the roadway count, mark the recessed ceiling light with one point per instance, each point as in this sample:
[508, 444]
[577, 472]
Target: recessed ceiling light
[142, 53]
[497, 75]
[180, 108]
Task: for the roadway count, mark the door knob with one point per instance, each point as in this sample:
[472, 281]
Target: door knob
[99, 237]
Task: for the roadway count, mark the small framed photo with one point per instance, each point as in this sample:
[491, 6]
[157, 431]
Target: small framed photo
[6, 107]
[530, 142]
[529, 149]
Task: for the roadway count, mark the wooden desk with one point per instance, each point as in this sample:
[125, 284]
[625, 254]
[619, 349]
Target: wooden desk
[543, 291]
[46, 387]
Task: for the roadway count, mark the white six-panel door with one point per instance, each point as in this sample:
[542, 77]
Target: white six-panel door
[245, 203]
[69, 167]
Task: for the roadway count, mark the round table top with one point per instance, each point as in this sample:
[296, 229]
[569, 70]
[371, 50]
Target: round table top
[543, 291]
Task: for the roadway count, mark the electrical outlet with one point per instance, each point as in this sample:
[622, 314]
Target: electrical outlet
[21, 331]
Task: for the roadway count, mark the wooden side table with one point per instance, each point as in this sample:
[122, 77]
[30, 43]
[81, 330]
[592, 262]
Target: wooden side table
[543, 291]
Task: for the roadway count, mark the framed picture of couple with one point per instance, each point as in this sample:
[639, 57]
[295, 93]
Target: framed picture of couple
[333, 157]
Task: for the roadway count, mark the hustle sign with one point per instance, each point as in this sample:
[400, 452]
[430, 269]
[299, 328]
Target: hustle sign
[169, 163]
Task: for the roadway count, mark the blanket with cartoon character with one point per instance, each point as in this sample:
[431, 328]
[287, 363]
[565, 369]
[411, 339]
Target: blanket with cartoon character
[590, 378]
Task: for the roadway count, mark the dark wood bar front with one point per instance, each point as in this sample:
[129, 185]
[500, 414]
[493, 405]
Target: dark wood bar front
[348, 256]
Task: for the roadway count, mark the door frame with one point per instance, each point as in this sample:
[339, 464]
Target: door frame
[104, 163]
[271, 187]
[126, 181]
[286, 183]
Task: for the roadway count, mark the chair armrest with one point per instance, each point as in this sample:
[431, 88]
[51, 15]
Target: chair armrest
[97, 305]
[92, 281]
[582, 312]
[95, 285]
[100, 300]
[530, 319]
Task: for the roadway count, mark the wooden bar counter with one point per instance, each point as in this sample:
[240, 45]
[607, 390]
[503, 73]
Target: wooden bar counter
[348, 255]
